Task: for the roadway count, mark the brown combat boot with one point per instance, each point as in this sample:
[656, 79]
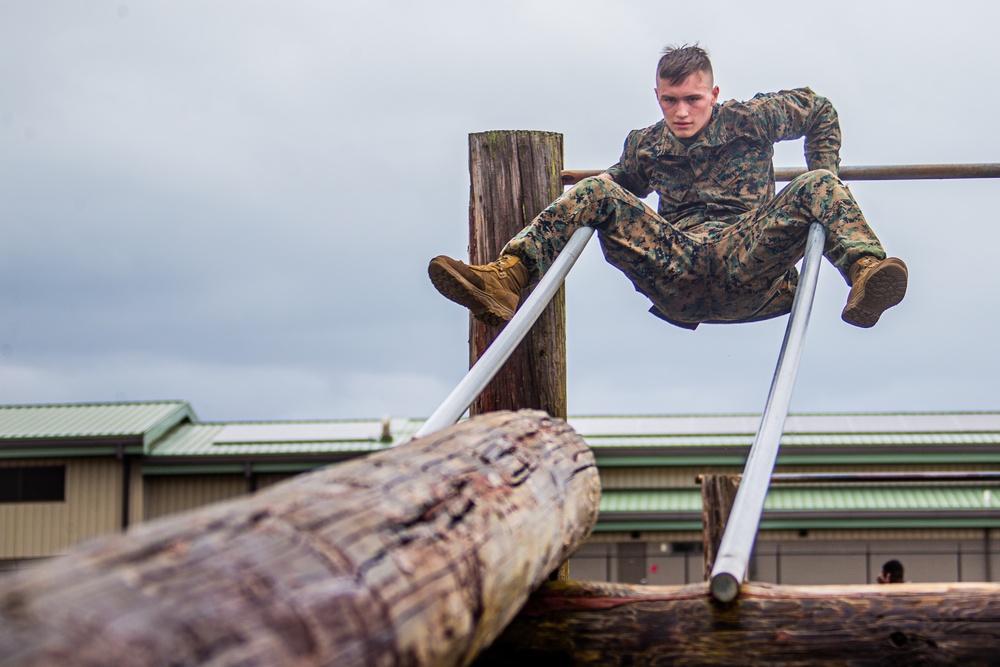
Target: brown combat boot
[491, 291]
[876, 285]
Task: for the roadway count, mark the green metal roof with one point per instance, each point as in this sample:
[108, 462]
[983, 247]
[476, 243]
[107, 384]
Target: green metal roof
[830, 439]
[818, 499]
[892, 507]
[898, 438]
[659, 500]
[283, 438]
[681, 426]
[145, 420]
[169, 429]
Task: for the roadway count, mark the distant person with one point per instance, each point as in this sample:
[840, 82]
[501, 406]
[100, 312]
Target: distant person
[892, 573]
[722, 246]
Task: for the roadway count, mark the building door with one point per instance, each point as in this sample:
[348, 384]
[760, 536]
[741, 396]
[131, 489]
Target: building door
[631, 562]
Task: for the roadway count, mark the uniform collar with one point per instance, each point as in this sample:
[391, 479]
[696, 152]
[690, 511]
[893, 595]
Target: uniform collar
[712, 135]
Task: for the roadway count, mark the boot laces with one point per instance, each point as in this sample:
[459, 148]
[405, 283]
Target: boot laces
[500, 264]
[862, 265]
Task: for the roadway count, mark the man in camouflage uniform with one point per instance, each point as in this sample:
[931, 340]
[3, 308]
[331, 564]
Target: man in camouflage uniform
[723, 246]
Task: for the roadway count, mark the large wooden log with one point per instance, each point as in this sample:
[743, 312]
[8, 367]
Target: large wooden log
[514, 175]
[418, 555]
[583, 623]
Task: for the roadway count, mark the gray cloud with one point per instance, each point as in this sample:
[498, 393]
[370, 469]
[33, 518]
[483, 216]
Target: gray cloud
[234, 202]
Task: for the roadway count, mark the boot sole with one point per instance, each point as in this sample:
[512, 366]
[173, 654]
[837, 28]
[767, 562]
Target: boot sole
[454, 287]
[880, 292]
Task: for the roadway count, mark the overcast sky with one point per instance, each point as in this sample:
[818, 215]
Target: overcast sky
[234, 203]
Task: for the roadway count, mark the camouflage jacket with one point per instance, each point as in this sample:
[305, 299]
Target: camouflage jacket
[727, 171]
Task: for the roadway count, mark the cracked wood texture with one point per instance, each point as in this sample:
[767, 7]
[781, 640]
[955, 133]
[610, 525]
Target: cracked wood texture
[587, 623]
[418, 555]
[717, 495]
[514, 175]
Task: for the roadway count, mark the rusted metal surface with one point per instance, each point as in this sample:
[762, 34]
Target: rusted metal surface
[895, 172]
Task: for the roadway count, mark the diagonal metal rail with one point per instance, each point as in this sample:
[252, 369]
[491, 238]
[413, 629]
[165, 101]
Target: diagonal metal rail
[500, 350]
[506, 342]
[740, 534]
[741, 529]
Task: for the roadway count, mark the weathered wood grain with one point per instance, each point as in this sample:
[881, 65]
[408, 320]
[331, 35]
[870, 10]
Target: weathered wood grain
[418, 555]
[585, 623]
[717, 495]
[514, 175]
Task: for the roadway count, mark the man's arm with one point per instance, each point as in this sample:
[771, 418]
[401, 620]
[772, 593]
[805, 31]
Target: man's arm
[628, 171]
[793, 114]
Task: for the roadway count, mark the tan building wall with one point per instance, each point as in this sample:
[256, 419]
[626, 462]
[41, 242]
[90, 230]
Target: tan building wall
[136, 496]
[859, 561]
[93, 504]
[786, 557]
[270, 479]
[92, 507]
[169, 494]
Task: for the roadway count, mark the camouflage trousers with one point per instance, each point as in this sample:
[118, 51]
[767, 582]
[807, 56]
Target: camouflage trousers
[739, 269]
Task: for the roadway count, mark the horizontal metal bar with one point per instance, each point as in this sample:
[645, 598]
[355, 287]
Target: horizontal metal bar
[904, 172]
[842, 477]
[874, 515]
[848, 477]
[459, 400]
[862, 173]
[812, 515]
[896, 522]
[741, 529]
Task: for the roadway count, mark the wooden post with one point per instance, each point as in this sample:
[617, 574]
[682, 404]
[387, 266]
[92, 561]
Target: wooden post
[515, 175]
[417, 555]
[587, 623]
[717, 495]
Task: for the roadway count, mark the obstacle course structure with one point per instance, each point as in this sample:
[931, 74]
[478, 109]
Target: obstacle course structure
[424, 553]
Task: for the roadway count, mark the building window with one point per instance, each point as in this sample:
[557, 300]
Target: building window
[33, 484]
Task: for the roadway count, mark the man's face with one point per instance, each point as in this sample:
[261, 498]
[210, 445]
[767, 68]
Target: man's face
[687, 107]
